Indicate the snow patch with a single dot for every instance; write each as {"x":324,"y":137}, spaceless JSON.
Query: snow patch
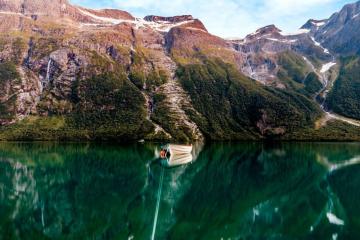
{"x":356,"y":15}
{"x":196,"y":29}
{"x":164,"y":26}
{"x":138,"y":22}
{"x":282,"y":40}
{"x":13,"y":13}
{"x":10,"y":13}
{"x":334,"y":219}
{"x":103,"y":19}
{"x":316,"y":43}
{"x":234,"y":39}
{"x":298,"y":32}
{"x":318,"y":24}
{"x":326,"y":67}
{"x":95,"y":24}
{"x":319,"y":45}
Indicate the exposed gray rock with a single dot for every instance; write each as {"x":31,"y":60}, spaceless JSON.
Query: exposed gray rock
{"x":62,"y":69}
{"x":35,"y":7}
{"x":260,"y":49}
{"x":340,"y":34}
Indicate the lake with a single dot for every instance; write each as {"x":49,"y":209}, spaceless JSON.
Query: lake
{"x":229,"y":191}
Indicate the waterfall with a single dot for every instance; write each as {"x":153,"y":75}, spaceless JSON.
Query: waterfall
{"x":48,"y":70}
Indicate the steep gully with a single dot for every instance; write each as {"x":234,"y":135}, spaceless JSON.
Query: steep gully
{"x":176,"y":99}
{"x":328,"y":83}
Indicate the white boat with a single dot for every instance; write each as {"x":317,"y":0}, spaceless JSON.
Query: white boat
{"x":175,"y":149}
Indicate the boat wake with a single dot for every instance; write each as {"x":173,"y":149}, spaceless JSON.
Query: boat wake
{"x":158,"y":204}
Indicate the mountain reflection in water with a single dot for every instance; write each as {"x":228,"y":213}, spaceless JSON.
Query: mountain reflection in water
{"x":231,"y":191}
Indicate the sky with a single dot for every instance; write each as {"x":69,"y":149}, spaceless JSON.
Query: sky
{"x":230,"y":18}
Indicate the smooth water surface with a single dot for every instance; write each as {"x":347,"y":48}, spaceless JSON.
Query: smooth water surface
{"x":231,"y":191}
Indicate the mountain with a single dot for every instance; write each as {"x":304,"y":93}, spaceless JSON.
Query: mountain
{"x":313,"y":25}
{"x":340,"y":31}
{"x":269,"y":44}
{"x":72,"y":73}
{"x":340,"y":35}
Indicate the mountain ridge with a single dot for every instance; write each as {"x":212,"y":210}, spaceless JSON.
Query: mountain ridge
{"x":104,"y":74}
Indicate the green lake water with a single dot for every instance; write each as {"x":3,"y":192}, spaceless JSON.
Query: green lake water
{"x":230,"y":191}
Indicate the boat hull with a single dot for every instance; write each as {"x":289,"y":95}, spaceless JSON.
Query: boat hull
{"x":180,"y":149}
{"x":179,"y":159}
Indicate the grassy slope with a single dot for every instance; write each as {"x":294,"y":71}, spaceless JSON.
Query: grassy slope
{"x":108,"y":106}
{"x":293,"y":67}
{"x":333,"y":131}
{"x":345,"y":97}
{"x":232,"y":104}
{"x":102,"y":106}
{"x":296,"y":74}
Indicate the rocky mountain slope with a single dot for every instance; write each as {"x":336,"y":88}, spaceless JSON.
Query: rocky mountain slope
{"x":68,"y":72}
{"x":340,"y":32}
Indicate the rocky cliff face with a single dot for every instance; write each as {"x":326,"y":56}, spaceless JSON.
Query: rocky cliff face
{"x":104,"y":73}
{"x":260,"y":52}
{"x":313,"y":25}
{"x":34,"y":6}
{"x":53,"y":52}
{"x":340,"y":31}
{"x":59,"y":9}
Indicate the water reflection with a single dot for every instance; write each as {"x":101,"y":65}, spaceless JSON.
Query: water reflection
{"x":231,"y":191}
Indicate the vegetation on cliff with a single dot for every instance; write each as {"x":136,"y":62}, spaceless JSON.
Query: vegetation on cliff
{"x":345,"y":98}
{"x":235,"y":107}
{"x":9,"y":77}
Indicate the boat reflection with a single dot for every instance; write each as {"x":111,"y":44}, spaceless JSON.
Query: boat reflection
{"x":174,"y":155}
{"x":177,"y":160}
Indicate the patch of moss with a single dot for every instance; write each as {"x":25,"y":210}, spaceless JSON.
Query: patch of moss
{"x":8,"y":71}
{"x":42,"y":47}
{"x":138,"y":78}
{"x":156,"y":78}
{"x":19,"y":46}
